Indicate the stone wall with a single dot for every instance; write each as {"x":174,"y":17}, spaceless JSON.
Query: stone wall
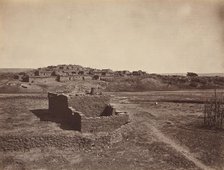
{"x":58,"y":106}
{"x":74,"y":78}
{"x":62,"y":78}
{"x":23,"y":143}
{"x":87,"y":113}
{"x":57,"y":103}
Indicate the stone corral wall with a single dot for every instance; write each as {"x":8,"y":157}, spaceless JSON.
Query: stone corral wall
{"x":87,"y":113}
{"x":23,"y":143}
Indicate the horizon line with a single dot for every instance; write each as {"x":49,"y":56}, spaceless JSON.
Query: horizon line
{"x":153,"y":72}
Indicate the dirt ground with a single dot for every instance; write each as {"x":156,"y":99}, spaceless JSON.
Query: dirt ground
{"x":165,"y":132}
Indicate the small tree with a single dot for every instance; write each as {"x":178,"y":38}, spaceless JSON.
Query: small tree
{"x":191,"y":74}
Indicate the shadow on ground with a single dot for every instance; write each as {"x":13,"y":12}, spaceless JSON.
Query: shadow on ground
{"x":66,"y":122}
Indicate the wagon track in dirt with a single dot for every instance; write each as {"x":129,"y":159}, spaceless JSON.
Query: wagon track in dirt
{"x":177,"y":147}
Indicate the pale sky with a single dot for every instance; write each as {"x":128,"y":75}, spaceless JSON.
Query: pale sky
{"x":160,"y":36}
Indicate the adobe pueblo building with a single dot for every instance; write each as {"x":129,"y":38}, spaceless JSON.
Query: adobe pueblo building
{"x":88,"y":113}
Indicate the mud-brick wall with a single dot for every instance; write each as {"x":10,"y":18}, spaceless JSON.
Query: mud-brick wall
{"x":74,"y":77}
{"x":58,"y":106}
{"x":57,"y":103}
{"x":35,"y":78}
{"x":69,"y":78}
{"x":103,"y":123}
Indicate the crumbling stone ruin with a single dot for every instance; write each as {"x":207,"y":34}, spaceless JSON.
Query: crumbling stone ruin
{"x":86,"y":113}
{"x":58,"y":106}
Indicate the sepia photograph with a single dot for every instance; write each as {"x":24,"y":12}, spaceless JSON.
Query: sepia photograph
{"x":111,"y":84}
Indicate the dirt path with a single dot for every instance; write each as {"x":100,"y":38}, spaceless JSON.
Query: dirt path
{"x":177,"y":147}
{"x":137,"y":114}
